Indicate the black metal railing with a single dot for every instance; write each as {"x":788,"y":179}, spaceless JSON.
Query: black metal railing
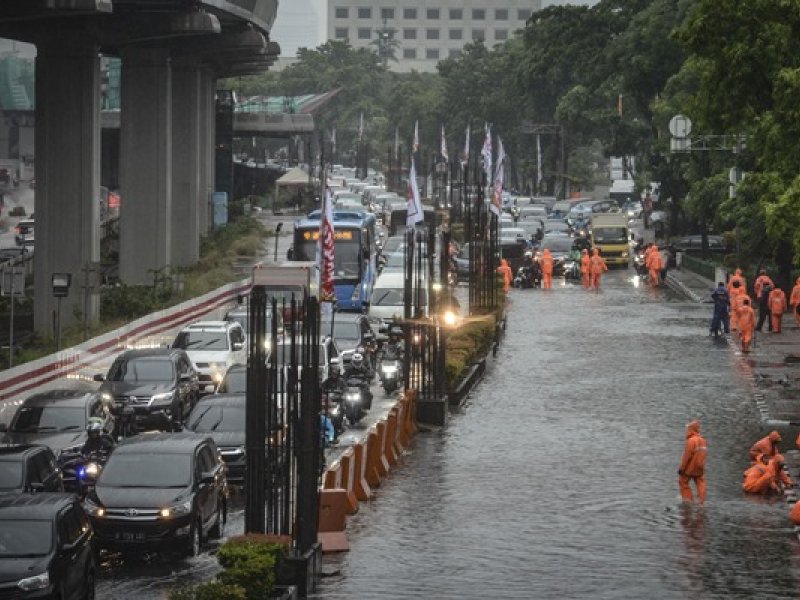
{"x":481,"y":232}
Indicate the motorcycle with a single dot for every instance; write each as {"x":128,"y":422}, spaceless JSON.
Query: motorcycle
{"x":390,"y":374}
{"x":333,"y":401}
{"x":356,"y":400}
{"x":527,"y":278}
{"x":80,"y":471}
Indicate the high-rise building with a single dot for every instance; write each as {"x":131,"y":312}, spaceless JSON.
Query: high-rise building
{"x":299,"y":24}
{"x":417,"y":34}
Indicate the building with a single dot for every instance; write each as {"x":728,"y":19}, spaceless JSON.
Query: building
{"x":299,"y":24}
{"x":426,"y":31}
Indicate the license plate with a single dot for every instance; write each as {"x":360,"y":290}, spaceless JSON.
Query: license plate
{"x":128,"y":536}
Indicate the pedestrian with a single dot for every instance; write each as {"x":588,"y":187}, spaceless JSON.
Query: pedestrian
{"x":547,"y":269}
{"x":654,"y":264}
{"x":585,"y":269}
{"x":760,"y":281}
{"x":766,"y":446}
{"x":693,"y":463}
{"x":777,"y":306}
{"x":722,"y":306}
{"x":747,"y":322}
{"x":505,"y":270}
{"x":773,"y":479}
{"x":794,"y":302}
{"x":736,"y":291}
{"x":763,"y":307}
{"x":755,"y":472}
{"x":736,"y":280}
{"x":596,"y":267}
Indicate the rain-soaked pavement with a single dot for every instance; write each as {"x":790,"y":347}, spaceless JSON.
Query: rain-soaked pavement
{"x":558,"y":479}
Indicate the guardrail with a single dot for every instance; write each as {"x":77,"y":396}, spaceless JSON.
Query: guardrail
{"x":701,"y":267}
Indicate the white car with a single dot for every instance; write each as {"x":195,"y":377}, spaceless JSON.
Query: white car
{"x":212,"y":346}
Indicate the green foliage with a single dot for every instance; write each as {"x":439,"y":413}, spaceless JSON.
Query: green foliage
{"x":466,"y":345}
{"x":213,"y":590}
{"x":250,"y":562}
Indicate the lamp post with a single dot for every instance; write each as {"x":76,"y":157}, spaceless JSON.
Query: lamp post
{"x":277,"y":233}
{"x":60,"y":284}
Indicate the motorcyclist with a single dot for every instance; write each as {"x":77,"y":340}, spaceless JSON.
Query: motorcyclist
{"x":395,"y":344}
{"x":358,"y":370}
{"x":97,"y":440}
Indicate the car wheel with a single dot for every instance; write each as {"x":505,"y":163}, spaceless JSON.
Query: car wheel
{"x":90,"y":594}
{"x":218,"y":527}
{"x":196,"y":541}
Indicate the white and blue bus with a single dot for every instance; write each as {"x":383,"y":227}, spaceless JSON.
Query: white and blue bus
{"x":355,"y":254}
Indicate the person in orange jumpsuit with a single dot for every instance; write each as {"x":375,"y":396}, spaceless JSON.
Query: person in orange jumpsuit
{"x":766,"y":446}
{"x":794,"y":301}
{"x":585,"y":268}
{"x":505,"y":270}
{"x":736,"y":291}
{"x":760,"y":282}
{"x":693,"y":463}
{"x":547,"y":269}
{"x":737,"y":276}
{"x":596,"y":267}
{"x":777,"y":306}
{"x":794,"y":514}
{"x":755,"y":471}
{"x":654,"y":264}
{"x":761,"y":479}
{"x":747,"y":323}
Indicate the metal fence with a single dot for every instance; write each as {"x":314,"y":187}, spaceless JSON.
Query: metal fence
{"x":701,"y":267}
{"x":481,"y":232}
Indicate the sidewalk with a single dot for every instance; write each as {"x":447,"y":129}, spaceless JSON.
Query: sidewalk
{"x":773,"y":362}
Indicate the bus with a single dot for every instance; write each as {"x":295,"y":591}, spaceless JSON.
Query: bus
{"x":355,"y":254}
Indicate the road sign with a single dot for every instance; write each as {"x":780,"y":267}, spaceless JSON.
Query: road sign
{"x":13,"y":283}
{"x":680,"y":126}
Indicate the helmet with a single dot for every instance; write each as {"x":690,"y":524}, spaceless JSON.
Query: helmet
{"x":528,"y":254}
{"x":94,"y":427}
{"x":357,"y":360}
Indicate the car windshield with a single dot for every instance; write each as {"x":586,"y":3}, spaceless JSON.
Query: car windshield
{"x":558,"y":244}
{"x":25,"y":538}
{"x":284,"y":354}
{"x":137,"y":370}
{"x":342,"y":330}
{"x":217,"y":417}
{"x":235,"y":382}
{"x":242,"y":319}
{"x":147,"y":470}
{"x":49,"y":418}
{"x":201,"y":340}
{"x":387,"y":297}
{"x":10,"y":475}
{"x":610,"y":235}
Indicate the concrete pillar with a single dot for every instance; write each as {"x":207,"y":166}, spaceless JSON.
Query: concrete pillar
{"x":186,"y":113}
{"x":67,"y":147}
{"x":145,"y":225}
{"x":208,"y":117}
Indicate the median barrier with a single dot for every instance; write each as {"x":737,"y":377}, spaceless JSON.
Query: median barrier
{"x":403,"y":437}
{"x":347,"y":478}
{"x":381,"y":428}
{"x":377,"y":468}
{"x":333,"y":520}
{"x":360,"y":486}
{"x":332,"y":478}
{"x":389,"y":450}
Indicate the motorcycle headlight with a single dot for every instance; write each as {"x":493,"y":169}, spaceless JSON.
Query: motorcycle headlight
{"x":352,"y":396}
{"x":177,"y":510}
{"x":334,"y":410}
{"x":30,"y":584}
{"x":106,"y":397}
{"x":161,"y":398}
{"x":92,"y":469}
{"x":389,"y":369}
{"x":624,"y":255}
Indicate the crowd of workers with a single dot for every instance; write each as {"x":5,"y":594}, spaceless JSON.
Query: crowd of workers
{"x":592,"y":268}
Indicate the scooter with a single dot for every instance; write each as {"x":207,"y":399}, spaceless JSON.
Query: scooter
{"x":390,"y":374}
{"x":335,"y":411}
{"x":353,"y":403}
{"x":80,"y":472}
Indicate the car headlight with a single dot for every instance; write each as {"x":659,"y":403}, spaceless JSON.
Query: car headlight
{"x":177,"y":510}
{"x":30,"y":584}
{"x":334,"y":410}
{"x":92,"y":469}
{"x":161,"y":398}
{"x":93,"y":509}
{"x":106,"y":397}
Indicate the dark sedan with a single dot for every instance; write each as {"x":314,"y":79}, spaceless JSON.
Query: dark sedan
{"x":560,"y":246}
{"x":222,"y":417}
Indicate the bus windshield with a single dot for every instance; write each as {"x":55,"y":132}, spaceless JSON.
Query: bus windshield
{"x":346,"y":256}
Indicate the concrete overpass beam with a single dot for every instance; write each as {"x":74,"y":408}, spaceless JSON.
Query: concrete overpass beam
{"x":208,"y":127}
{"x":145,"y":165}
{"x":67,"y":147}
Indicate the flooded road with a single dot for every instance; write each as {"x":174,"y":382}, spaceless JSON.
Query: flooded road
{"x":558,"y":479}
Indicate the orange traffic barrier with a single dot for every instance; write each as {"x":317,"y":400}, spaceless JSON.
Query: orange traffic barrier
{"x":381,"y":428}
{"x":377,"y":468}
{"x":360,"y":486}
{"x":348,"y":480}
{"x":333,"y":520}
{"x":402,"y":440}
{"x":332,"y":478}
{"x":389,"y":436}
{"x":411,"y":418}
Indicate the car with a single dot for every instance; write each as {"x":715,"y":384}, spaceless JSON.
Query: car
{"x":45,"y":548}
{"x":28,"y":468}
{"x":556,"y":226}
{"x":532,"y":211}
{"x":560,"y":246}
{"x":633,"y":208}
{"x":328,"y":352}
{"x":388,"y":295}
{"x":240,"y":315}
{"x":461,"y":259}
{"x":154,"y":382}
{"x":212,"y":346}
{"x":716,"y":243}
{"x":58,"y":418}
{"x":350,"y":330}
{"x":24,"y":232}
{"x":512,"y":234}
{"x":160,"y":492}
{"x":582,"y":210}
{"x":234,"y":381}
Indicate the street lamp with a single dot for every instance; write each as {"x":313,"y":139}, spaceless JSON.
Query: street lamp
{"x":60,"y":283}
{"x":277,"y":232}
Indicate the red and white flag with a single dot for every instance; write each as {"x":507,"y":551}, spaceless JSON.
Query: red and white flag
{"x":497,"y":198}
{"x":486,"y":153}
{"x":414,"y":213}
{"x":415,"y":142}
{"x":325,"y":246}
{"x":444,"y":147}
{"x":466,"y":148}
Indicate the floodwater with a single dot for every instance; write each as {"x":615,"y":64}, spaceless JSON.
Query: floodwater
{"x":558,"y":479}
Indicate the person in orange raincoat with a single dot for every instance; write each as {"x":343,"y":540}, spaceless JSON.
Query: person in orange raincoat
{"x":760,"y":282}
{"x":777,"y":306}
{"x":794,"y":301}
{"x":596,"y":267}
{"x":736,"y":291}
{"x":755,"y":471}
{"x":585,"y":268}
{"x":766,"y":446}
{"x":547,"y":269}
{"x":737,"y":276}
{"x":505,"y":270}
{"x":773,"y":478}
{"x":794,"y":514}
{"x":693,"y":464}
{"x":654,"y":264}
{"x":747,"y":323}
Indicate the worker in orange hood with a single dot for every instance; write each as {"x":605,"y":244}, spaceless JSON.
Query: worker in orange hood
{"x":767,"y":446}
{"x":747,"y":323}
{"x":505,"y":270}
{"x":777,"y":306}
{"x":794,"y":301}
{"x":736,"y":291}
{"x":585,"y":268}
{"x":774,"y":477}
{"x":654,"y":264}
{"x":737,"y":277}
{"x":762,"y":280}
{"x":755,"y":471}
{"x":547,"y":269}
{"x":693,"y":463}
{"x":596,"y":267}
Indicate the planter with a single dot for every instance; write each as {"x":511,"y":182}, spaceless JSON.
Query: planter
{"x":472,"y":376}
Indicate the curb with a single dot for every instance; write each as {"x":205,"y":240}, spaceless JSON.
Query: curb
{"x":680,"y":287}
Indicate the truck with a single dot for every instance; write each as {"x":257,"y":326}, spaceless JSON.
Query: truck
{"x":611,"y":235}
{"x":622,"y":191}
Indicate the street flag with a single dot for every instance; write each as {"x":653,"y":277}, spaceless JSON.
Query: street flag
{"x":486,"y":153}
{"x":414,"y":212}
{"x":361,"y":127}
{"x":539,"y":176}
{"x":444,"y":147}
{"x":396,"y":140}
{"x":619,"y":105}
{"x":333,"y":139}
{"x":497,"y":198}
{"x":415,"y":143}
{"x":325,"y":246}
{"x":466,"y":148}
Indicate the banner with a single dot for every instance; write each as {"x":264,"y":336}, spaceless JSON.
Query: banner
{"x":497,"y":198}
{"x":539,"y":177}
{"x":486,"y":153}
{"x":414,"y":213}
{"x":415,"y":142}
{"x":444,"y":147}
{"x":325,"y":254}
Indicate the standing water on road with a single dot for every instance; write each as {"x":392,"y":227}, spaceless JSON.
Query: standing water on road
{"x":559,"y":477}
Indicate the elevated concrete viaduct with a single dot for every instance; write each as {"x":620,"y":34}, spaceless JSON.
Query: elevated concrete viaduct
{"x":172,"y":53}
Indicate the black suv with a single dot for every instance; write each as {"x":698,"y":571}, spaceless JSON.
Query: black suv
{"x":234,"y":381}
{"x":58,"y":419}
{"x":45,"y":548}
{"x":26,"y":468}
{"x":159,"y":384}
{"x":160,"y":492}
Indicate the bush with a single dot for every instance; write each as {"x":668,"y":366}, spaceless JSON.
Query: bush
{"x":467,"y":345}
{"x":213,"y":590}
{"x":250,"y":562}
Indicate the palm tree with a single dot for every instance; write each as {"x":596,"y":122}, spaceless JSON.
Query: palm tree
{"x":386,"y":43}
